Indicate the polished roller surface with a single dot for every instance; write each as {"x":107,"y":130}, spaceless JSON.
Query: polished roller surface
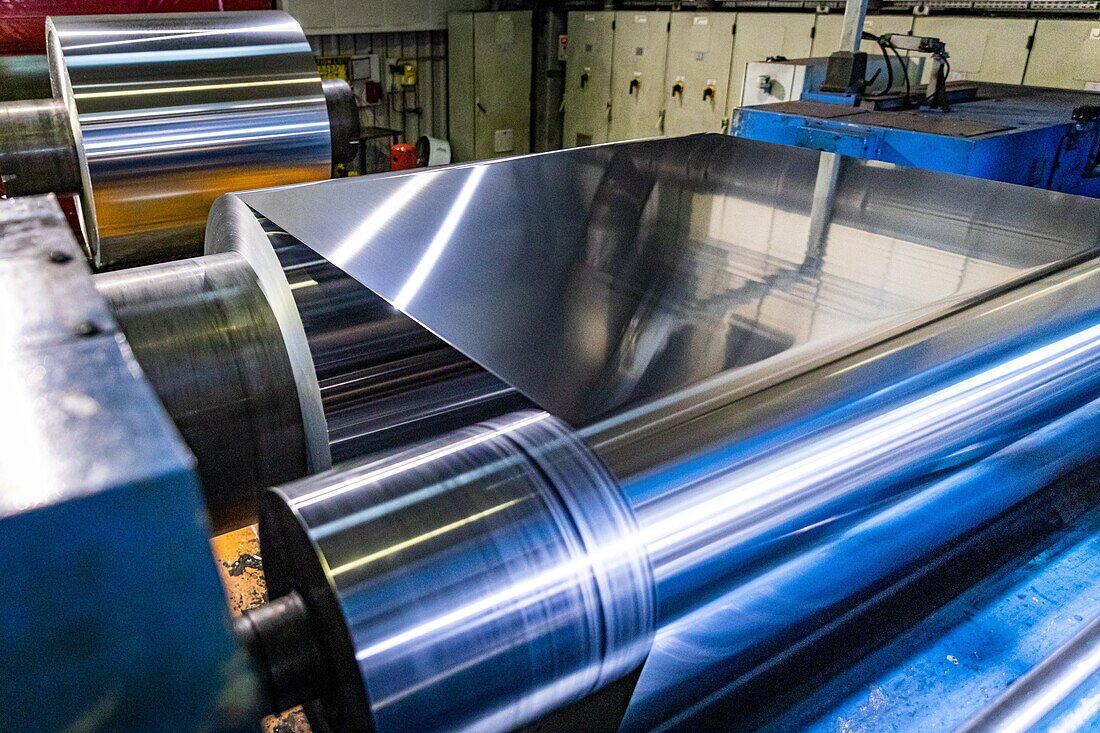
{"x":172,"y":110}
{"x":824,"y":491}
{"x":37,"y":150}
{"x":206,"y":338}
{"x":475,"y":582}
{"x":374,"y":377}
{"x":794,"y":505}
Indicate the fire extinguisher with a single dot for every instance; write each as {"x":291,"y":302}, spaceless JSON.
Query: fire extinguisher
{"x":402,"y":156}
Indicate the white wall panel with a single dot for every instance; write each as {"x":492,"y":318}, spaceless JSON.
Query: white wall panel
{"x":1066,"y":54}
{"x":352,"y":16}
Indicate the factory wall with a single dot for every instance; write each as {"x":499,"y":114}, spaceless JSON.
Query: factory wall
{"x":375,"y":16}
{"x":416,"y":110}
{"x":632,"y":74}
{"x":586,"y":106}
{"x":21,"y":21}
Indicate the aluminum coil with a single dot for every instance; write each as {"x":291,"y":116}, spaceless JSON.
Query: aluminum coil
{"x":169,"y":111}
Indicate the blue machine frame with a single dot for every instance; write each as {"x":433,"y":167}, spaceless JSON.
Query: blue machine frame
{"x":1015,"y":134}
{"x":112,"y":615}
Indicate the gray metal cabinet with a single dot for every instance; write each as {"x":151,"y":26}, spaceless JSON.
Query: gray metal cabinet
{"x":761,"y":35}
{"x":1066,"y":54}
{"x":489,"y":84}
{"x":700,"y":47}
{"x":587,"y":98}
{"x":638,"y":74}
{"x":981,"y":49}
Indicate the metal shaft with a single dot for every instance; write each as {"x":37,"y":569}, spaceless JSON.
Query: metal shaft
{"x":343,"y":119}
{"x":37,"y":150}
{"x":24,"y":77}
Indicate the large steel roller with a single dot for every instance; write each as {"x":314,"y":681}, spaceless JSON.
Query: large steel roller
{"x":154,"y":116}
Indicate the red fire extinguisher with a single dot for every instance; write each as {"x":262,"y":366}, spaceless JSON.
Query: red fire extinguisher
{"x":402,"y":156}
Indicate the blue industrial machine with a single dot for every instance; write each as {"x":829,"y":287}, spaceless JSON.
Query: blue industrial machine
{"x":1044,"y":138}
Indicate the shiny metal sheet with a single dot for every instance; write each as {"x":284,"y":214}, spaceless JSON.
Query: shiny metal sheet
{"x":172,"y":110}
{"x":768,"y":399}
{"x":598,"y":279}
{"x":368,"y":377}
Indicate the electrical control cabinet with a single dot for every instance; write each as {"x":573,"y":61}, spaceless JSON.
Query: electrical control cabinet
{"x":638,"y":74}
{"x":829,"y":26}
{"x":1065,"y":54}
{"x":763,"y":35}
{"x":367,"y":16}
{"x":700,"y":46}
{"x":981,"y":49}
{"x":489,"y":84}
{"x":587,"y":98}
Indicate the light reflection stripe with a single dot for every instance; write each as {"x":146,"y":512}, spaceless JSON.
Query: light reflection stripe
{"x":421,"y":538}
{"x":192,"y":88}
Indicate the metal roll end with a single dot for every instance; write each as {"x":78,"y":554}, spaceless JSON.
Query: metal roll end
{"x":37,"y":150}
{"x":234,"y":228}
{"x":501,"y":558}
{"x":343,"y":120}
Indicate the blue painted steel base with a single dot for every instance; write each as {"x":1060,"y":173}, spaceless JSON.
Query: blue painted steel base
{"x":1014,"y":134}
{"x":112,"y":614}
{"x":942,"y":671}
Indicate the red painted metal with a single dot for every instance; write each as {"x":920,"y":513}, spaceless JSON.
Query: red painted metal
{"x":22,"y":22}
{"x":402,"y":156}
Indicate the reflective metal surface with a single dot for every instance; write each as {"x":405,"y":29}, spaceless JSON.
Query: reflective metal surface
{"x":210,"y":346}
{"x":172,"y":110}
{"x":770,"y":517}
{"x":472,"y":583}
{"x":773,"y":384}
{"x":369,"y":378}
{"x":598,"y":279}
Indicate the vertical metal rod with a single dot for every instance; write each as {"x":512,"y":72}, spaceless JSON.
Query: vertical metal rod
{"x":851,"y":35}
{"x":828,"y":173}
